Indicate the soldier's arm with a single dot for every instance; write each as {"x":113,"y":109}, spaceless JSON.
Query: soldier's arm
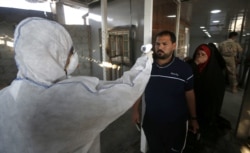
{"x":239,"y":48}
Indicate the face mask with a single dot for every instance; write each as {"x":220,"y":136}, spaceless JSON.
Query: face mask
{"x":73,"y":63}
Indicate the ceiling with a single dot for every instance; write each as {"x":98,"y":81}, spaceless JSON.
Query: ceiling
{"x":231,"y":11}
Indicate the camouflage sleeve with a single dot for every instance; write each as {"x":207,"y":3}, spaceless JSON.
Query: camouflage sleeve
{"x":239,"y":48}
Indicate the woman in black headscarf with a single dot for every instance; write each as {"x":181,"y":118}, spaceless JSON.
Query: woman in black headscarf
{"x":209,"y":84}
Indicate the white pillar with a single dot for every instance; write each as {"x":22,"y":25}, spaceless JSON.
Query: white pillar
{"x":148,"y":21}
{"x":60,"y":16}
{"x":178,"y":16}
{"x":104,"y":34}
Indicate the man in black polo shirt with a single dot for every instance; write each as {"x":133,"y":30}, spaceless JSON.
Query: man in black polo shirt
{"x":169,"y":99}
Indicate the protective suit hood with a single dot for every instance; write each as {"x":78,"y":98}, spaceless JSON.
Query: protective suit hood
{"x":43,"y":64}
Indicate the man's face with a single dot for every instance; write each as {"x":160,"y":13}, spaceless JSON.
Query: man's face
{"x":164,"y":47}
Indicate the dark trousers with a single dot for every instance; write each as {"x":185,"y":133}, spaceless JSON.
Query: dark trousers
{"x":165,"y":138}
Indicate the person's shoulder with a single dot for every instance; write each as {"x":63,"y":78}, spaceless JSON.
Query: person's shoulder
{"x":177,"y":59}
{"x":225,"y":41}
{"x":183,"y":68}
{"x":182,"y":63}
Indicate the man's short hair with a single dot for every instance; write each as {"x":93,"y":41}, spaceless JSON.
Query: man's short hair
{"x":167,"y":33}
{"x":232,"y":34}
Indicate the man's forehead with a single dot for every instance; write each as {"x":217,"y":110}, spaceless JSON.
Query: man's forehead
{"x":163,"y":38}
{"x":163,"y":41}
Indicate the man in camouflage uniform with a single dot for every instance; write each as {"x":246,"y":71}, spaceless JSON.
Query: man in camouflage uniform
{"x":229,"y":49}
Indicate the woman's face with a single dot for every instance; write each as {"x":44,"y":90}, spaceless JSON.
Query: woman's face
{"x":201,"y":56}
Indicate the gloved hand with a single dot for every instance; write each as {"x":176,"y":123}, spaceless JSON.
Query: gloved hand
{"x":150,"y":56}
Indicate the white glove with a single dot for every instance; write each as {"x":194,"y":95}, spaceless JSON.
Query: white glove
{"x":150,"y":56}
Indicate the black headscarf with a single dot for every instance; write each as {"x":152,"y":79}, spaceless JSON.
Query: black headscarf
{"x":209,"y":87}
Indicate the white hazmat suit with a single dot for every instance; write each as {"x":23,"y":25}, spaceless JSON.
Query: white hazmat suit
{"x":42,"y":111}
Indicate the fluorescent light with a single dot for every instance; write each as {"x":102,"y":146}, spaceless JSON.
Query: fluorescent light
{"x":215,"y":11}
{"x":216,"y":21}
{"x":171,"y":16}
{"x":207,"y":33}
{"x":202,"y":27}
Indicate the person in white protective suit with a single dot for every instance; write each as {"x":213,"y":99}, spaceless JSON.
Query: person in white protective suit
{"x":44,"y":110}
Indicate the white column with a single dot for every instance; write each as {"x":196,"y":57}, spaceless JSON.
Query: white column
{"x":178,"y":16}
{"x":148,"y":21}
{"x":104,"y":34}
